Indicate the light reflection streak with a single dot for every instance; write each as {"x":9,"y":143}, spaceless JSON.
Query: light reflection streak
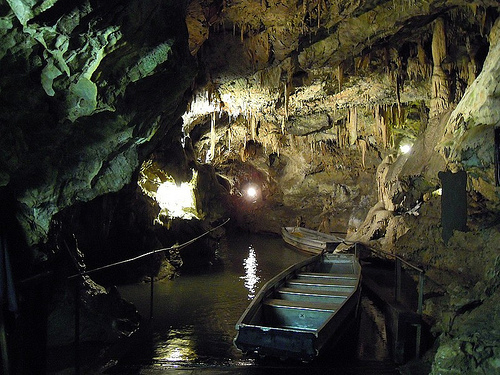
{"x":177,"y":347}
{"x":251,"y":278}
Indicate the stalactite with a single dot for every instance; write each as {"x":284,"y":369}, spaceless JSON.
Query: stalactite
{"x":339,"y":137}
{"x":381,"y":122}
{"x":304,"y":13}
{"x":363,"y":147}
{"x":340,"y":75}
{"x":398,"y":94}
{"x":286,"y":100}
{"x":483,"y":20}
{"x":352,"y":124}
{"x":422,"y":58}
{"x":319,"y":13}
{"x":439,"y":82}
{"x":212,"y":136}
{"x":472,"y":65}
{"x":439,"y":42}
{"x":418,"y":67}
{"x":267,"y":46}
{"x":253,"y":126}
{"x":345,"y":135}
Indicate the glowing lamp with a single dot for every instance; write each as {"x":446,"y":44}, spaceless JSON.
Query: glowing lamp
{"x":405,"y":148}
{"x":251,"y":192}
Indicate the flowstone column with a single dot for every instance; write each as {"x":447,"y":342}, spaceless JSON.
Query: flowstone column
{"x":440,"y":85}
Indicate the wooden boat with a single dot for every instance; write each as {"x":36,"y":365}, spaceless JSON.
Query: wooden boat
{"x":303,"y":310}
{"x":309,"y":240}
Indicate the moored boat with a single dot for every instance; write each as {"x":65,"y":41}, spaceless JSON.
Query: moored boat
{"x":310,"y":240}
{"x":303,"y":310}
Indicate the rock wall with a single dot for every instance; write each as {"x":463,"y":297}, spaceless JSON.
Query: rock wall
{"x":461,"y":275}
{"x":101,"y":84}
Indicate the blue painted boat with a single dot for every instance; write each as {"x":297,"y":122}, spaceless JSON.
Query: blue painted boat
{"x":303,"y":310}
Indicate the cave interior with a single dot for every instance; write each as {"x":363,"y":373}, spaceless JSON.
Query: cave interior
{"x":130,"y":126}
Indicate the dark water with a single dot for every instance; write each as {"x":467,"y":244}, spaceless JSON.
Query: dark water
{"x":194,"y":319}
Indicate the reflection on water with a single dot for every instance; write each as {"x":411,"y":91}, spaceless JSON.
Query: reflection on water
{"x":176,"y":347}
{"x":374,"y":344}
{"x":251,"y":267}
{"x":195,"y":314}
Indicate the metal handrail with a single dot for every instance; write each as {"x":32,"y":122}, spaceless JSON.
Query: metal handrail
{"x":81,"y":273}
{"x":174,"y":247}
{"x":397,"y":293}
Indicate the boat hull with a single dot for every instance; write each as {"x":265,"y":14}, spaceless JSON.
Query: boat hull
{"x":309,"y":240}
{"x":303,"y":310}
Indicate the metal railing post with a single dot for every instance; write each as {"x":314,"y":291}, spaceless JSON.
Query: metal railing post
{"x":151,"y":297}
{"x":398,"y":265}
{"x":418,"y":339}
{"x":397,"y":294}
{"x":77,"y":327}
{"x":3,"y":345}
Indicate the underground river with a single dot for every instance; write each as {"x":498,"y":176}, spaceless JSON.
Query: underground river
{"x":194,"y":318}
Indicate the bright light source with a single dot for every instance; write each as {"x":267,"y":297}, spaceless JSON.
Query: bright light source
{"x":177,"y":200}
{"x":252,"y":192}
{"x":405,"y":148}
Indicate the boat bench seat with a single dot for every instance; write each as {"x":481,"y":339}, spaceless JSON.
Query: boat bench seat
{"x":321,"y":275}
{"x":324,"y":281}
{"x":297,"y":314}
{"x":317,"y":296}
{"x":330,"y":307}
{"x":315,"y":292}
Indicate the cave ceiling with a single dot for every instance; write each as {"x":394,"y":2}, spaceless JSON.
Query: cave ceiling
{"x":90,"y":88}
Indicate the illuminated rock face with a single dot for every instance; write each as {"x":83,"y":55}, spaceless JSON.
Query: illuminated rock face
{"x":342,"y":83}
{"x":316,"y":97}
{"x":97,"y":94}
